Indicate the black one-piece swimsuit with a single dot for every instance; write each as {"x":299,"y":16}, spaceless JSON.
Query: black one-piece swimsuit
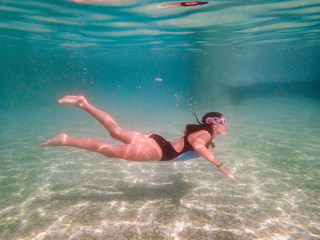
{"x":168,"y":152}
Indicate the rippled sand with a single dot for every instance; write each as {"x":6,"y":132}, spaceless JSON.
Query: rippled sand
{"x":65,"y":193}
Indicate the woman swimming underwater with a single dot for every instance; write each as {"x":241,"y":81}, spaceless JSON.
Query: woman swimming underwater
{"x":140,"y":147}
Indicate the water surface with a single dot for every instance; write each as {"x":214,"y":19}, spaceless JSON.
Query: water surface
{"x":151,"y":66}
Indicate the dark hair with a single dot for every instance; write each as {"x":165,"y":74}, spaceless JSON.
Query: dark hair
{"x":191,"y":128}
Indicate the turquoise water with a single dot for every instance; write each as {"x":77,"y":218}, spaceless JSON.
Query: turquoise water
{"x":255,"y":61}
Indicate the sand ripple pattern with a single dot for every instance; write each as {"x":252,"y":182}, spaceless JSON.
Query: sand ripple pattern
{"x":64,"y":193}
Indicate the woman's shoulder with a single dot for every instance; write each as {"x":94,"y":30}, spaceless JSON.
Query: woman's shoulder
{"x":202,"y":134}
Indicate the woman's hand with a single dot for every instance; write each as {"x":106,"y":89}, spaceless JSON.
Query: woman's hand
{"x":227,"y":173}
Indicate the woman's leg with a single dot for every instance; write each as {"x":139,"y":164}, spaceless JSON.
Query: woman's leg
{"x":105,"y":119}
{"x":143,"y":151}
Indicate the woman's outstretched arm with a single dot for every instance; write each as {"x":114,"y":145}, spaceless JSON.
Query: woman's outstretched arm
{"x":207,"y":154}
{"x":199,"y":145}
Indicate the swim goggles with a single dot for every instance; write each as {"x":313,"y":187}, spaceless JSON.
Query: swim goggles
{"x":212,"y":120}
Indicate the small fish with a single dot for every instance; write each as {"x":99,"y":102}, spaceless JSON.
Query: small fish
{"x":158,"y":79}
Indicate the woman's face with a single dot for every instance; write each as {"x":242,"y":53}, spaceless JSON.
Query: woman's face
{"x":221,"y":128}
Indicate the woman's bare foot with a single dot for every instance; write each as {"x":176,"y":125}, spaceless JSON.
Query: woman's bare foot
{"x":73,"y":100}
{"x":56,"y":141}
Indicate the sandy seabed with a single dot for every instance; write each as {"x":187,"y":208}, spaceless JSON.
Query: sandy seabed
{"x":67,"y":193}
